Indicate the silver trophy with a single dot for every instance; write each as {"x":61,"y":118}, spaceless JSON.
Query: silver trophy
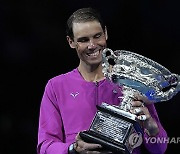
{"x":114,"y":126}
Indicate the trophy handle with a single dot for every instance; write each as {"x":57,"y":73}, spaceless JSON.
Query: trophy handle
{"x":174,"y":81}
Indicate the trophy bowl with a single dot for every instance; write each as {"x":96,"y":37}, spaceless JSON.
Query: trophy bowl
{"x":114,"y":127}
{"x":140,"y":74}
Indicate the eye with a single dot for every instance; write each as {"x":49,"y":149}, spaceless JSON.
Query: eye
{"x":98,"y":35}
{"x":84,"y":39}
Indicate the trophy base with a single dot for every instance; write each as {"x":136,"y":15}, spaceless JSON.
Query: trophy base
{"x":92,"y":137}
{"x":114,"y":129}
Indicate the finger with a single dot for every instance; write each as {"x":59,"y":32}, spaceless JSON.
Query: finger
{"x":91,"y":152}
{"x":137,"y":111}
{"x":145,"y":115}
{"x":137,"y":103}
{"x":142,"y":117}
{"x":142,"y":98}
{"x":78,"y":137}
{"x":88,"y":146}
{"x":96,"y":152}
{"x":80,"y":145}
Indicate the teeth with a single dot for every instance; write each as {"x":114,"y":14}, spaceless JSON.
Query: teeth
{"x":94,"y":54}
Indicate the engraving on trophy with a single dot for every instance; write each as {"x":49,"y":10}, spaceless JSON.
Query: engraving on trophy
{"x":111,"y":127}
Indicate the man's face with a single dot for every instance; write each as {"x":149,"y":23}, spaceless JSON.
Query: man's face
{"x":89,"y":41}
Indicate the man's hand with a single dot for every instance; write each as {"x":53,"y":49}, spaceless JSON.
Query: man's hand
{"x":84,"y":148}
{"x":138,"y":108}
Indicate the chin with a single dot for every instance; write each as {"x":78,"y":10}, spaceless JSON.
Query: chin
{"x":95,"y":62}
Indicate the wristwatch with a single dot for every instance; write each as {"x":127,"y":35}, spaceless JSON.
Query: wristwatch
{"x":71,"y":149}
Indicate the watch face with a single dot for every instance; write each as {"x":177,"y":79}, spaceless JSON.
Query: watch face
{"x":71,"y":147}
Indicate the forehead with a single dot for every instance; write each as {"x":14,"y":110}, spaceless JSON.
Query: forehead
{"x":86,"y":29}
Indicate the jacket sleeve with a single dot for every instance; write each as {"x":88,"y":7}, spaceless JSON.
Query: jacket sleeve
{"x":50,"y":133}
{"x":156,"y":144}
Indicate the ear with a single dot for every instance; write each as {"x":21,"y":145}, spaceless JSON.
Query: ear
{"x":71,"y":42}
{"x":106,"y":34}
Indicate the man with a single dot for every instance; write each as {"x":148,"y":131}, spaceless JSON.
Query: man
{"x":69,"y":101}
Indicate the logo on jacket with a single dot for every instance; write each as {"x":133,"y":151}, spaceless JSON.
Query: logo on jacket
{"x":74,"y":94}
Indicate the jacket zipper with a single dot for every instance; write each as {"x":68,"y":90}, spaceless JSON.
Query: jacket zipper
{"x":96,"y":92}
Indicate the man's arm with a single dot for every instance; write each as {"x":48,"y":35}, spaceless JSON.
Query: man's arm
{"x":51,"y":131}
{"x":157,"y":143}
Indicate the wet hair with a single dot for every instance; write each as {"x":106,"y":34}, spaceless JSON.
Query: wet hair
{"x":83,"y":15}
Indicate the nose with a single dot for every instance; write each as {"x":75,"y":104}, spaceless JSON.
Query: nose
{"x":91,"y":44}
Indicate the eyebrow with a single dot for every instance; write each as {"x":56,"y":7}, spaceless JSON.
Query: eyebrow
{"x":82,"y":38}
{"x":86,"y":38}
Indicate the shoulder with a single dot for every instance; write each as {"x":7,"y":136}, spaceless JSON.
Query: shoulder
{"x":63,"y":78}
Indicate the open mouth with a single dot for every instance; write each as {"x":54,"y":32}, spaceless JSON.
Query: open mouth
{"x":94,"y":54}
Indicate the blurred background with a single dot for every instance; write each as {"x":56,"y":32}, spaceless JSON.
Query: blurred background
{"x":34,"y":49}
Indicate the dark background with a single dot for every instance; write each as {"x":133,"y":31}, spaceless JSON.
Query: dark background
{"x":34,"y":49}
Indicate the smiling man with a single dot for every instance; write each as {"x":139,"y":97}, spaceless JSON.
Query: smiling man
{"x":88,"y":37}
{"x":69,"y":102}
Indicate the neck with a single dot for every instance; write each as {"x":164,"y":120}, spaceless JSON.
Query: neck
{"x":92,"y":74}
